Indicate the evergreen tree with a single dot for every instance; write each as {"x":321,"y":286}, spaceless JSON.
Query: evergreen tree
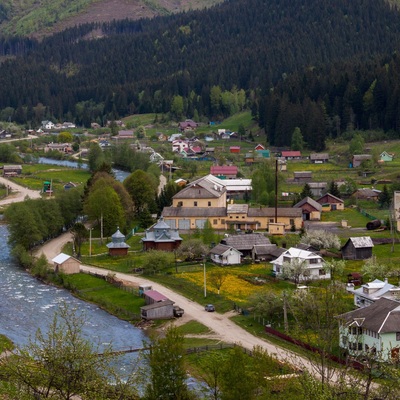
{"x":306,"y":192}
{"x":384,"y":198}
{"x":333,"y":189}
{"x":297,"y":139}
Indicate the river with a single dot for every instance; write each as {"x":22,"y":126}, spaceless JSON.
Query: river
{"x":119,"y":174}
{"x":26,"y":305}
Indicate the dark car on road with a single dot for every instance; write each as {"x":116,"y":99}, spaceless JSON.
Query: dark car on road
{"x":209,"y":308}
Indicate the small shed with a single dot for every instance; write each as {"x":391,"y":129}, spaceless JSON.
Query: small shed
{"x":385,"y":156}
{"x":66,"y":264}
{"x":329,"y":202}
{"x":276,"y":228}
{"x":359,"y":158}
{"x":302,"y":176}
{"x":117,"y":246}
{"x":357,"y":248}
{"x":12,"y":170}
{"x":234,"y":149}
{"x":152,"y":296}
{"x":160,"y":310}
{"x":319,"y":158}
{"x":225,"y":255}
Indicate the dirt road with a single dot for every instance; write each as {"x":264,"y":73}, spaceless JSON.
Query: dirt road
{"x":18,"y":192}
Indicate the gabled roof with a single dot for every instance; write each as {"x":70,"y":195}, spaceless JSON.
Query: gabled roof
{"x":268,"y":249}
{"x":237,"y":208}
{"x":302,"y":174}
{"x":331,"y":196}
{"x":224,"y":169}
{"x":295,"y":252}
{"x":361,"y":157}
{"x":360,"y":242}
{"x":61,"y":258}
{"x":221,"y":249}
{"x":383,"y":316}
{"x":154,"y":295}
{"x":202,"y":188}
{"x":245,"y":241}
{"x":310,"y":201}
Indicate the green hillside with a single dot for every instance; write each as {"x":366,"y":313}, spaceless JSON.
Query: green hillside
{"x":38,"y":18}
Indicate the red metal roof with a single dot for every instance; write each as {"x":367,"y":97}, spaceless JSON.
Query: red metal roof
{"x":154,"y":295}
{"x":291,"y":153}
{"x":224,"y":169}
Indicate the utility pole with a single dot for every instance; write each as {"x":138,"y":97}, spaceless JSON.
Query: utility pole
{"x":276,"y":190}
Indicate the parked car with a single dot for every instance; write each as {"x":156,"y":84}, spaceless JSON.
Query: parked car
{"x":209,"y":308}
{"x":178,"y":312}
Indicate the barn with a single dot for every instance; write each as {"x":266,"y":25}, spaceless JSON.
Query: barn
{"x":357,"y":248}
{"x":66,"y":264}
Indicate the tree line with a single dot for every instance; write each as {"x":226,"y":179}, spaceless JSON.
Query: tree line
{"x":199,"y":63}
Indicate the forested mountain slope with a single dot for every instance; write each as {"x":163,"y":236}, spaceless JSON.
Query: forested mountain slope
{"x":140,"y":66}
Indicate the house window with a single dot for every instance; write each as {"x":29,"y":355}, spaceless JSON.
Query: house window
{"x":271,"y":220}
{"x":359,"y":346}
{"x":243,"y":217}
{"x":314,"y":261}
{"x":291,"y":221}
{"x":180,"y":203}
{"x":222,"y":221}
{"x":215,"y":221}
{"x":321,"y":272}
{"x":209,"y":204}
{"x":195,"y":204}
{"x":237,"y":216}
{"x":278,"y":270}
{"x":397,"y":336}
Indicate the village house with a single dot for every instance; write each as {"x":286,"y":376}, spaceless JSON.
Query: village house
{"x":249,"y":158}
{"x":370,"y":292}
{"x":245,"y":242}
{"x":317,"y":188}
{"x":178,"y":146}
{"x":302,"y":176}
{"x":225,"y":255}
{"x":124,"y":135}
{"x":47,"y":125}
{"x":117,"y":246}
{"x":319,"y":158}
{"x":12,"y":170}
{"x":357,"y":248}
{"x":314,"y":264}
{"x":161,"y":237}
{"x":224,"y":171}
{"x":265,"y":252}
{"x":358,"y":159}
{"x":187,"y":125}
{"x":66,"y":264}
{"x":386,"y":157}
{"x":373,"y":329}
{"x":206,"y":199}
{"x":234,"y":149}
{"x":366,"y":194}
{"x":262,"y":154}
{"x":311,"y":210}
{"x":291,"y":155}
{"x":259,"y":147}
{"x":329,"y":202}
{"x":64,"y":148}
{"x":157,"y":306}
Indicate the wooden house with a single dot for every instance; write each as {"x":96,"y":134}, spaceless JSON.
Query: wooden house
{"x":311,"y":210}
{"x":302,"y":176}
{"x":249,"y":158}
{"x":125,"y":134}
{"x":357,"y":248}
{"x":234,"y":149}
{"x":366,"y":194}
{"x":329,"y":202}
{"x":359,"y":158}
{"x":244,"y":243}
{"x":259,"y":147}
{"x":66,"y":264}
{"x":319,"y":158}
{"x":12,"y":170}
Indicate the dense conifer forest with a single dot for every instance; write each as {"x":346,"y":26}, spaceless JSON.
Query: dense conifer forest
{"x":322,"y":65}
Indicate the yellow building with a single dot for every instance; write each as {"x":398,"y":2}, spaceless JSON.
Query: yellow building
{"x":206,"y":200}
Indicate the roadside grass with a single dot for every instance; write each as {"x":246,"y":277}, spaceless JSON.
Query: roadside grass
{"x":96,"y":290}
{"x":5,"y":344}
{"x":193,"y":328}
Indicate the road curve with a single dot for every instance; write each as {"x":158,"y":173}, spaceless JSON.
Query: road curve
{"x":18,"y":192}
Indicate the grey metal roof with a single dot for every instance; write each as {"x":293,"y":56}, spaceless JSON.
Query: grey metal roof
{"x":158,"y":304}
{"x":202,"y":212}
{"x":161,"y":232}
{"x":383,"y":316}
{"x":270,"y":212}
{"x":237,"y":208}
{"x":319,"y":156}
{"x":202,"y":188}
{"x":309,"y":201}
{"x":268,"y":249}
{"x":361,"y":242}
{"x":302,"y":174}
{"x":245,"y":241}
{"x":220,"y":249}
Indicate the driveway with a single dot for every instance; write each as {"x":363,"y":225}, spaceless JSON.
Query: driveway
{"x":18,"y":192}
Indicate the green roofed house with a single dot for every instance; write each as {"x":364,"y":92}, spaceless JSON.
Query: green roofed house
{"x":263,"y":153}
{"x":385,"y":156}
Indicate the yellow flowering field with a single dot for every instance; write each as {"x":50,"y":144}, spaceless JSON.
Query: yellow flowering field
{"x":233,"y":288}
